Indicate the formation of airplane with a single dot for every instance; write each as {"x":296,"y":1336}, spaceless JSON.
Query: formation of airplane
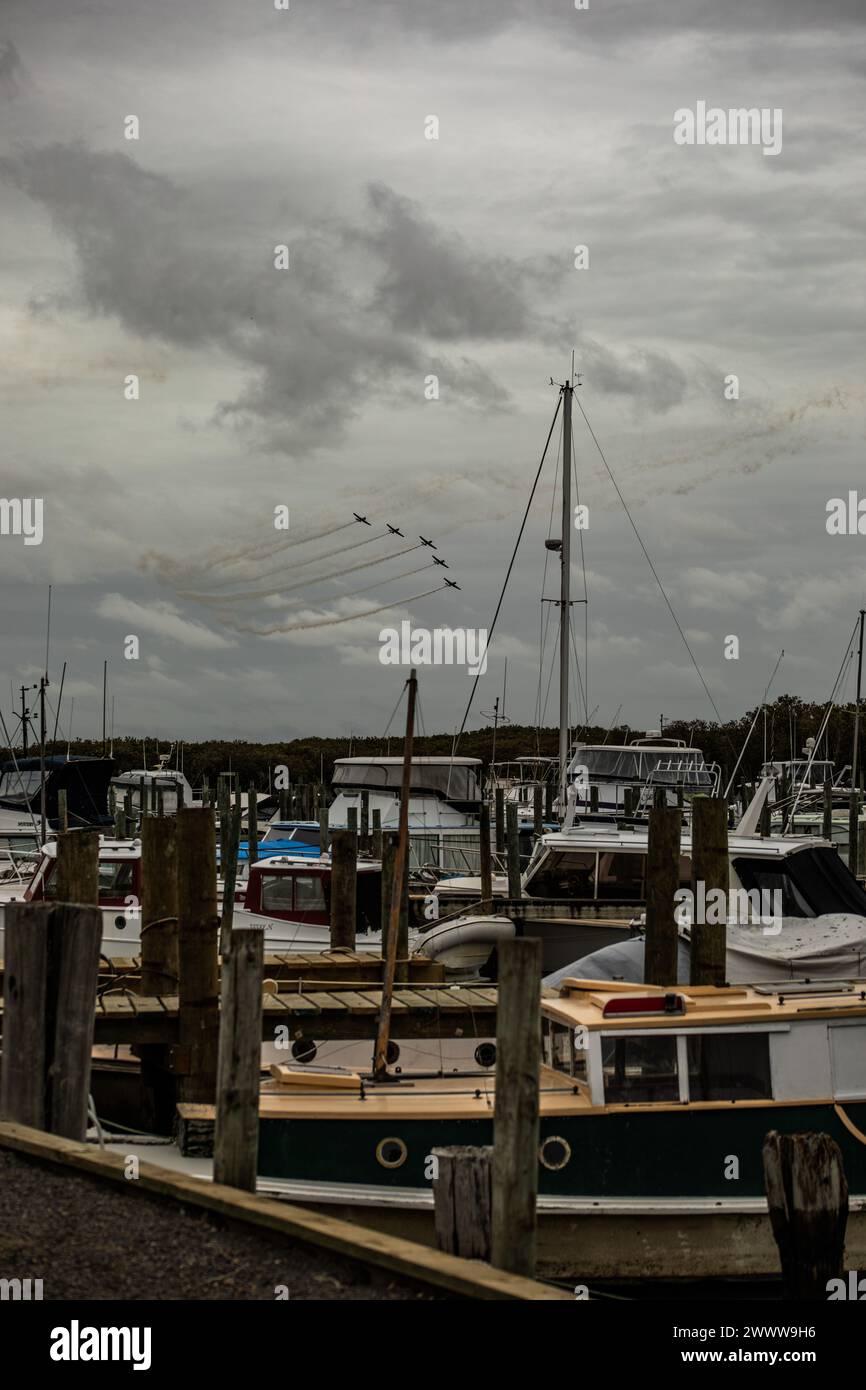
{"x":395,"y":531}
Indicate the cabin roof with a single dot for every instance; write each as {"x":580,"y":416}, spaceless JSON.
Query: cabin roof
{"x":589,"y":835}
{"x":583,"y":1003}
{"x":445,"y":761}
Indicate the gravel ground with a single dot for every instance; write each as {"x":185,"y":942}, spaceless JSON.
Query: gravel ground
{"x":91,"y":1240}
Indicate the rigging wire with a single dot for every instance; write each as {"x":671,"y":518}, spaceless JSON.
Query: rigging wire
{"x":510,"y":565}
{"x":655,"y":573}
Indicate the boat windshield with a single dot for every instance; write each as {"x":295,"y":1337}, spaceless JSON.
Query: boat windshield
{"x":23,"y":783}
{"x":812,"y":882}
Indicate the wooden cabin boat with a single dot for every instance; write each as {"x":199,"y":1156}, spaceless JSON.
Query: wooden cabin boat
{"x":654,"y":1105}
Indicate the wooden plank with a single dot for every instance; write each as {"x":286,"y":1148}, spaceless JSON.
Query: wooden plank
{"x":413,"y":1000}
{"x":294,"y":1003}
{"x":236,"y":1131}
{"x":459,"y":1277}
{"x":22,"y":1078}
{"x":327,"y":1003}
{"x":74,"y":939}
{"x":357,"y":1003}
{"x":375,"y":996}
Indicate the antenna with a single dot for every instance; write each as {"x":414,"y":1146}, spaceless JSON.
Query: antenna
{"x":48,"y":634}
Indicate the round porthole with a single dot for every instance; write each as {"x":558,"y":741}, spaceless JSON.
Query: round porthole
{"x":485,"y":1055}
{"x":304,"y":1050}
{"x":555,"y":1152}
{"x":391,"y":1153}
{"x":120,"y":923}
{"x":393,"y":1053}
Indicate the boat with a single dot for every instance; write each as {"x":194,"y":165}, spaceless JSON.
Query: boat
{"x":654,"y":1105}
{"x":84,"y":780}
{"x":640,"y":767}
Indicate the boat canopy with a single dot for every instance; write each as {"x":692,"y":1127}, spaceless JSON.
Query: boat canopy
{"x":455,"y":780}
{"x":636,"y":764}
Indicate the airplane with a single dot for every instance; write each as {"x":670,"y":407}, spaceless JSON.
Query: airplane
{"x":362,"y":518}
{"x":437,"y":561}
{"x":452,"y":583}
{"x":395,"y":530}
{"x":424,"y":541}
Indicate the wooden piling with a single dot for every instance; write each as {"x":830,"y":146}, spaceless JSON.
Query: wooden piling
{"x":827,"y":821}
{"x":537,"y":809}
{"x":51,"y":973}
{"x":628,"y":801}
{"x":513,"y":842}
{"x":236,"y":1129}
{"x":78,"y":867}
{"x":344,"y":870}
{"x":230,"y":837}
{"x":515,"y":1121}
{"x":486,"y":859}
{"x":376,"y":845}
{"x":462,"y":1195}
{"x":159,"y":930}
{"x":389,"y":854}
{"x":853,"y":822}
{"x":198,"y":986}
{"x":284,"y":804}
{"x":499,"y":805}
{"x":593,"y":797}
{"x":62,"y":812}
{"x":548,"y":801}
{"x":324,"y":833}
{"x":119,"y":821}
{"x":364,"y":845}
{"x":807,"y":1196}
{"x":252,"y":828}
{"x":662,"y":881}
{"x":710,"y":868}
{"x":129,"y":814}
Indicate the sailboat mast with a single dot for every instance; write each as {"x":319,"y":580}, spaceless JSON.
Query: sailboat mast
{"x":565,"y":593}
{"x":855,"y":759}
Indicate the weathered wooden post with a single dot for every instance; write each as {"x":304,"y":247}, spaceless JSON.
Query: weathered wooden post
{"x":377,"y":833}
{"x":230,"y":838}
{"x":827,"y":821}
{"x":548,"y":800}
{"x":662,"y":882}
{"x":765,"y":819}
{"x":159,"y":930}
{"x":198,"y":986}
{"x":515,"y":1120}
{"x":52,"y":970}
{"x":513,"y":841}
{"x":344,"y":869}
{"x":352,"y":819}
{"x":142,"y":798}
{"x":537,"y":809}
{"x":324,"y":834}
{"x":252,"y":828}
{"x":119,"y":820}
{"x":389,"y":854}
{"x":78,"y":866}
{"x":486,"y":859}
{"x":365,"y":823}
{"x":499,"y":804}
{"x":62,"y":812}
{"x":159,"y":961}
{"x":284,"y":803}
{"x":236,"y":1130}
{"x":807,"y":1196}
{"x":853,"y":823}
{"x":462,"y":1195}
{"x":628,"y":802}
{"x":593,"y":797}
{"x":710,"y":874}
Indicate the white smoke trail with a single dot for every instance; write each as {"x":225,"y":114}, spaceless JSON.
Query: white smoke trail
{"x":326,"y":622}
{"x":219,"y":599}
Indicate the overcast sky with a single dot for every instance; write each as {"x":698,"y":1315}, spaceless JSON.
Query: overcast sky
{"x":411,"y":258}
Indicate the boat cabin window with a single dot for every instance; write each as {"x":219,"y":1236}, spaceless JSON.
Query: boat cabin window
{"x":23,"y":783}
{"x":621,"y":876}
{"x":276,"y":893}
{"x":309,"y":893}
{"x":16,"y":845}
{"x":560,"y":1051}
{"x":729,"y":1066}
{"x":639,"y":1068}
{"x":115,"y":879}
{"x":565,"y":875}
